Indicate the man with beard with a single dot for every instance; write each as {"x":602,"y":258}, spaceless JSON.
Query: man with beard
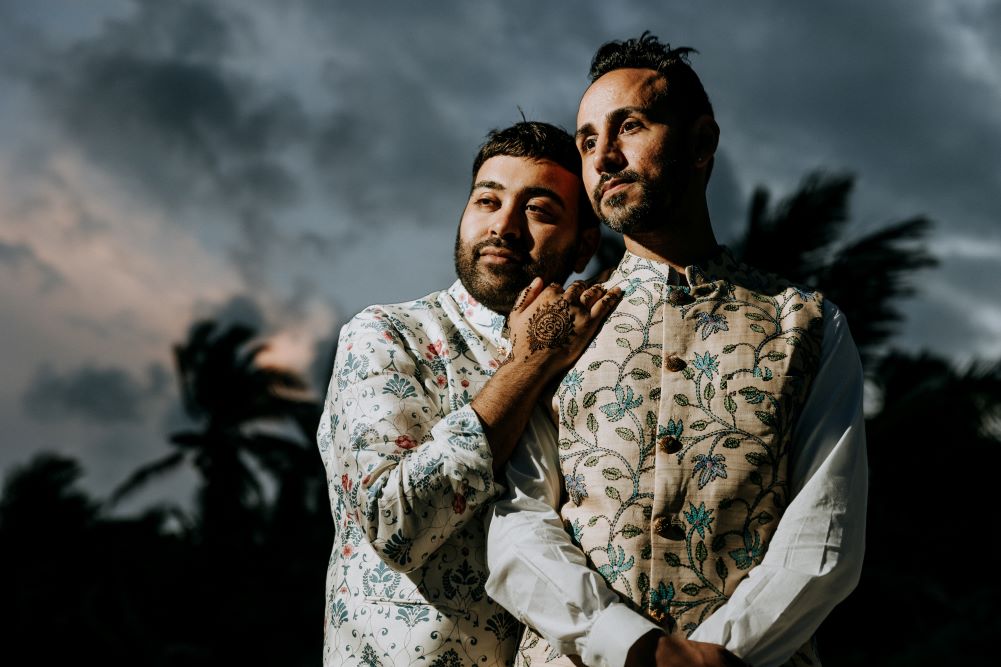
{"x":709,"y":474}
{"x":427,"y":401}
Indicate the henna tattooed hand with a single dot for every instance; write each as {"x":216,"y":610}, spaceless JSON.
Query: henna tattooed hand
{"x":551,"y":327}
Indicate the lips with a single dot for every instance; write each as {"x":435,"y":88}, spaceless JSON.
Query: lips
{"x":496,"y":254}
{"x":613,"y":185}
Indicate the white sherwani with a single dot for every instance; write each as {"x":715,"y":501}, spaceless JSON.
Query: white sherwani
{"x":408,"y":469}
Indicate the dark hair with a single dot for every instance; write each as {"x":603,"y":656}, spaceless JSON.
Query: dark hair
{"x":685,"y":95}
{"x":538,"y":141}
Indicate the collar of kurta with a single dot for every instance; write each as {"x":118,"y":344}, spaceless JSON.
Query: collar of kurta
{"x":719,"y":266}
{"x":489,"y":324}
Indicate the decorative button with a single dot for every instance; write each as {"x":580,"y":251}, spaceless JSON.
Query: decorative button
{"x":674,"y":363}
{"x":679,"y":297}
{"x":670,"y":445}
{"x":668,"y":528}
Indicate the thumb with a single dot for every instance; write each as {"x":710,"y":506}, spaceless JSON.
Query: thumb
{"x":528,"y":295}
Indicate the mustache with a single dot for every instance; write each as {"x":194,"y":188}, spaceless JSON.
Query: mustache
{"x":516,"y":246}
{"x":626,"y":176}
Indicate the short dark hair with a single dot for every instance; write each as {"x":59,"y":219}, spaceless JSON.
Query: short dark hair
{"x":535,"y":140}
{"x":685,"y":95}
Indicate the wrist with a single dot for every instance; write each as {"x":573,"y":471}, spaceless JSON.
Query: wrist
{"x":530,"y":369}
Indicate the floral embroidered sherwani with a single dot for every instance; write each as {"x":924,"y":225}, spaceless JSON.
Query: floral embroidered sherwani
{"x":408,"y":469}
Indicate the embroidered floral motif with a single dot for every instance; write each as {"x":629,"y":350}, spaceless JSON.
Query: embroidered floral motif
{"x":571,"y":382}
{"x":699,"y":518}
{"x":710,"y":323}
{"x":624,"y":402}
{"x":575,"y":487}
{"x":709,"y":467}
{"x":706,"y":363}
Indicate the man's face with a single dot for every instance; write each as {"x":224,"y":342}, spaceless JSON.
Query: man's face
{"x":633,"y":165}
{"x":520,"y":222}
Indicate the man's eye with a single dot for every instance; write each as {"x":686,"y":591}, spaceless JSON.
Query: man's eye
{"x":588,"y":145}
{"x":539,"y":212}
{"x":629,"y":124}
{"x":485,"y":201}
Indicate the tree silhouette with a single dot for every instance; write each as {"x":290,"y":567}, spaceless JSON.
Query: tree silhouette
{"x":233,"y":399}
{"x":800,"y":240}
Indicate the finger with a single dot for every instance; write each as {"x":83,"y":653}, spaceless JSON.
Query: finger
{"x":607,"y":303}
{"x":528,"y":295}
{"x":592,"y":294}
{"x":574,"y":291}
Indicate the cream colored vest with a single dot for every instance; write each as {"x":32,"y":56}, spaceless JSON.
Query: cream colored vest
{"x":675,"y":431}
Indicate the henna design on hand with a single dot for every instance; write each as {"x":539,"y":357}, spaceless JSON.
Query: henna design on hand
{"x":550,"y":326}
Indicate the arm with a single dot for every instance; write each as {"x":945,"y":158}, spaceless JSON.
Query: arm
{"x":815,"y":556}
{"x":541,"y":577}
{"x":401,"y":463}
{"x":410,"y":474}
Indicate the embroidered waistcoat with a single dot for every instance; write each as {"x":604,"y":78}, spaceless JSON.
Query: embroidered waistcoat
{"x":675,"y":433}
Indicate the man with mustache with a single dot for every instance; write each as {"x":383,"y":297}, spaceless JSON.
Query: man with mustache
{"x":705,"y":501}
{"x":426,"y":403}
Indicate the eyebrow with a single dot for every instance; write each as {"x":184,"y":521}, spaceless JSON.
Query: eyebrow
{"x":531,"y":191}
{"x":611,"y":117}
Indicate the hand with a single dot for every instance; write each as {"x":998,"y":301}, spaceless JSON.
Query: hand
{"x":656,"y":648}
{"x":551,"y":327}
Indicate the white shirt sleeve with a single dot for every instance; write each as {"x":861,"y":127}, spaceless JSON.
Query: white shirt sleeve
{"x":815,"y":556}
{"x":539,"y":575}
{"x":813,"y":562}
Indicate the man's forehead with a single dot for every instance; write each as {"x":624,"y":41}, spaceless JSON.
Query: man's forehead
{"x":512,"y":172}
{"x":627,"y":87}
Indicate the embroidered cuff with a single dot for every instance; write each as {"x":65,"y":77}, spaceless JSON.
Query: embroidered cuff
{"x":470,"y":460}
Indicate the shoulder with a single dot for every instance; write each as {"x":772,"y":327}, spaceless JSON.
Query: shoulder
{"x":396,"y":319}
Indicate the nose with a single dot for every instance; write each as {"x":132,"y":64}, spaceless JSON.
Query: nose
{"x":507,"y":222}
{"x":608,"y":158}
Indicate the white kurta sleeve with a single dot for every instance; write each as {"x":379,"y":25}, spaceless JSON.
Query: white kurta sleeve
{"x":539,"y":575}
{"x":815,"y":556}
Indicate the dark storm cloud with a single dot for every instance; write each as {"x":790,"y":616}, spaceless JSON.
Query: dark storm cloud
{"x":21,"y":257}
{"x":413,"y":105}
{"x":151,"y":98}
{"x":97,"y":393}
{"x":896,"y":98}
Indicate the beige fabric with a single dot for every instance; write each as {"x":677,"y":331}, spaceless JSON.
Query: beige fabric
{"x":675,"y":428}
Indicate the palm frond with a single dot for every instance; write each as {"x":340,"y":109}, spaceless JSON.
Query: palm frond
{"x":144,"y":474}
{"x":868,"y":277}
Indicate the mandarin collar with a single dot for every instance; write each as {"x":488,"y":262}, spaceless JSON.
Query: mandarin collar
{"x":721,"y":265}
{"x":488,"y":323}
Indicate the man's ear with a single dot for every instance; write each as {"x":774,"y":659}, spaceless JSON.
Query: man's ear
{"x":589,"y":240}
{"x":705,"y":139}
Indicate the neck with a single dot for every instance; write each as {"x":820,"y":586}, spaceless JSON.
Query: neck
{"x":684,"y":239}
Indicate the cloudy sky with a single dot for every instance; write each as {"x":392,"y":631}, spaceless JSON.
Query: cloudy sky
{"x":286,"y":164}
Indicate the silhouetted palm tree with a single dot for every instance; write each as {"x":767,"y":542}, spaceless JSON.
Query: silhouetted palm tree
{"x":233,"y":397}
{"x":800,"y":240}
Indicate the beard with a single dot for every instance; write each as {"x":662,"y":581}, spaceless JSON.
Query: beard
{"x":656,"y":197}
{"x":497,"y":286}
